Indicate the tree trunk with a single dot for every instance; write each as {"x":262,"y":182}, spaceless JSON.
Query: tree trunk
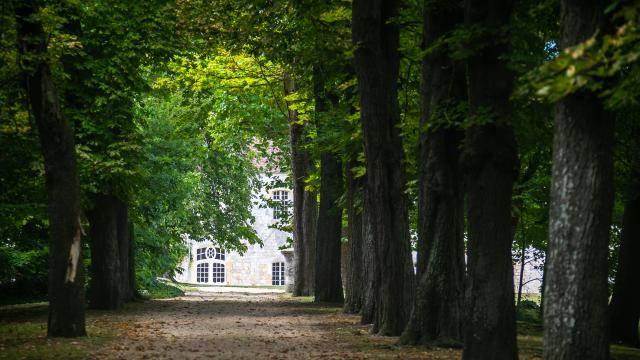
{"x":523,"y":257}
{"x":132,"y":263}
{"x":328,"y":282}
{"x":370,"y":272}
{"x":299,"y":169}
{"x":66,"y":271}
{"x":490,"y":160}
{"x":575,"y":308}
{"x":438,"y":309}
{"x":106,"y":275}
{"x":124,"y":240}
{"x":328,"y":279}
{"x":624,"y":309}
{"x":309,"y":221}
{"x":354,"y":279}
{"x":376,"y":41}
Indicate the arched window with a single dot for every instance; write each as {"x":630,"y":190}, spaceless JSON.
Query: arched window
{"x":281,"y":203}
{"x":277,"y":273}
{"x":202,"y":273}
{"x":217,"y":273}
{"x":210,"y":265}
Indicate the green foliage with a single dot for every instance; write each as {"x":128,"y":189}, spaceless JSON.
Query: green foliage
{"x":529,"y":311}
{"x":606,"y":63}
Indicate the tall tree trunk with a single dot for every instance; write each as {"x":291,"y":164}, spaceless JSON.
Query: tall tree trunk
{"x":438,"y":309}
{"x":376,"y":41}
{"x":309,"y":226}
{"x":490,"y":160}
{"x":575,"y":309}
{"x":328,"y":281}
{"x":132,"y":263}
{"x":298,"y":169}
{"x":66,"y":271}
{"x":354,"y":279}
{"x":624,"y":308}
{"x":124,"y":240}
{"x":370,"y":270}
{"x":106,"y":278}
{"x":523,"y":258}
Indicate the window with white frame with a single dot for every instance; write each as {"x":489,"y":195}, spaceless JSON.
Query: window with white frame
{"x":280,"y":204}
{"x":210,"y":265}
{"x":202,"y":273}
{"x":277,"y":273}
{"x":217,"y":273}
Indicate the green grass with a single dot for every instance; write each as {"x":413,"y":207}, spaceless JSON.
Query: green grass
{"x":164,"y":290}
{"x":530,"y":343}
{"x":28,"y":340}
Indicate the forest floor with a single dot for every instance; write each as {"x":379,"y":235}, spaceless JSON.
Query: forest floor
{"x":232,"y":324}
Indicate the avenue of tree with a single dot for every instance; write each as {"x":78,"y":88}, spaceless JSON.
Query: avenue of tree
{"x":479,"y":134}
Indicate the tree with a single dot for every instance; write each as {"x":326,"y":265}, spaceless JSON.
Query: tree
{"x":490,"y":161}
{"x":575,"y":303}
{"x":376,"y":40}
{"x":105,"y":254}
{"x":328,"y":279}
{"x":437,"y":314}
{"x":66,"y":271}
{"x":624,"y":307}
{"x":354,"y":282}
{"x":304,"y":200}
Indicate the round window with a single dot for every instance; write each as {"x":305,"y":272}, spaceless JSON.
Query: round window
{"x":211,"y":253}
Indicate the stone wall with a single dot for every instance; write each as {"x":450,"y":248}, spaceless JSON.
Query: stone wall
{"x":254,"y":267}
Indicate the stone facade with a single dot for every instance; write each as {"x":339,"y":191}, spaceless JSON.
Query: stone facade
{"x":258,"y":266}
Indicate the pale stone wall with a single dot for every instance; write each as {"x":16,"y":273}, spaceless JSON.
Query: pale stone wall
{"x":254,"y":267}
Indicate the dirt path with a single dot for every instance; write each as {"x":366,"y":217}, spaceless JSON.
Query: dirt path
{"x":214,"y":323}
{"x":205,"y":325}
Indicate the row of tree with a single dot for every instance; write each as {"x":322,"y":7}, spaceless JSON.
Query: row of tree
{"x":126,"y":156}
{"x":468,"y":158}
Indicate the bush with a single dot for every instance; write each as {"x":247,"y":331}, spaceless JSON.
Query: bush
{"x":528,"y":311}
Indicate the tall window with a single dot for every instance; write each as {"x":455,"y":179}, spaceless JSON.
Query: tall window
{"x":202,"y":273}
{"x":217,"y":273}
{"x":281,"y":204}
{"x":277,"y":273}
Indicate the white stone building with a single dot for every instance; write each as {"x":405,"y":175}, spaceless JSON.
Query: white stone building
{"x":262,"y":265}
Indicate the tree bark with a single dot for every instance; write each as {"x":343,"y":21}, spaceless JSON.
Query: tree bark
{"x":437,"y":313}
{"x":376,"y":41}
{"x":132,"y":263}
{"x":304,"y":202}
{"x":66,"y":271}
{"x":354,"y":279}
{"x":370,"y":272}
{"x":575,"y":303}
{"x":106,"y":277}
{"x":124,"y":244}
{"x":490,"y":161}
{"x":328,"y":281}
{"x":309,"y":225}
{"x":624,"y":308}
